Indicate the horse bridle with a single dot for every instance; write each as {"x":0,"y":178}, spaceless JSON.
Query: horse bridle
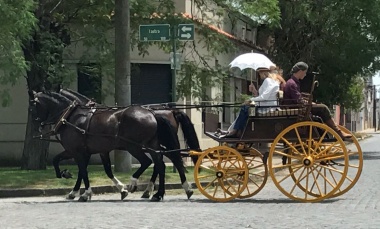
{"x":61,"y":120}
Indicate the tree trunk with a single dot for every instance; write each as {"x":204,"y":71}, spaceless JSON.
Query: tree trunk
{"x":123,"y":160}
{"x":35,"y":153}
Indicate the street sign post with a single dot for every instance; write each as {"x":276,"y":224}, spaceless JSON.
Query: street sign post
{"x":163,"y":32}
{"x":154,"y":32}
{"x":186,"y":32}
{"x":177,"y":58}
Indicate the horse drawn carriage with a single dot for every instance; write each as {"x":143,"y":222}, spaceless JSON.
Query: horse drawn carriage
{"x":306,"y":159}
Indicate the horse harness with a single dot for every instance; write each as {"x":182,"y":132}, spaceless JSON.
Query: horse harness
{"x":68,"y":111}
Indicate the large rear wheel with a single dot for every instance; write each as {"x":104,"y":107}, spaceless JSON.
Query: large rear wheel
{"x":298,"y":160}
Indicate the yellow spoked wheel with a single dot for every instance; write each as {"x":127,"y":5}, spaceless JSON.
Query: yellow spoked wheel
{"x":257,"y":173}
{"x":220,"y":173}
{"x":355,"y":164}
{"x":299,"y":169}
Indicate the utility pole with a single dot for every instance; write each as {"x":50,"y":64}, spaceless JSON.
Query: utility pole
{"x":374,"y":107}
{"x":174,"y":72}
{"x":123,"y":160}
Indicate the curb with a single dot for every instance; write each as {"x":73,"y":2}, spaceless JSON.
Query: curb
{"x":14,"y":193}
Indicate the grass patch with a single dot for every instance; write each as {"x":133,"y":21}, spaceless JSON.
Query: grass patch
{"x":12,"y":177}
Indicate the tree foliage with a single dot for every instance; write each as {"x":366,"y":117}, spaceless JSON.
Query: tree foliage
{"x":17,"y":23}
{"x":339,"y":46}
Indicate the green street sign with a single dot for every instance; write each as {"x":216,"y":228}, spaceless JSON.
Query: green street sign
{"x":154,"y":32}
{"x":186,"y":32}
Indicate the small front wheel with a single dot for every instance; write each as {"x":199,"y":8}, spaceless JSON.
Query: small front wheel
{"x":220,"y":173}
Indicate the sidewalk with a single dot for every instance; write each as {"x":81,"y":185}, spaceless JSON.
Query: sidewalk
{"x":369,"y":131}
{"x":12,"y":193}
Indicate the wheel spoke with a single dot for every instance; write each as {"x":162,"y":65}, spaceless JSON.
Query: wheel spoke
{"x":315,"y":182}
{"x":300,"y":141}
{"x":295,"y":184}
{"x":320,"y":140}
{"x":326,"y":149}
{"x":287,"y":166}
{"x":210,"y":183}
{"x":212,"y":161}
{"x":288,"y":155}
{"x":290,"y":174}
{"x":326,"y":179}
{"x":290,"y":145}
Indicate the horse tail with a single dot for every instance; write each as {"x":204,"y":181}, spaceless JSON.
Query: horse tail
{"x":189,"y":133}
{"x":167,"y":137}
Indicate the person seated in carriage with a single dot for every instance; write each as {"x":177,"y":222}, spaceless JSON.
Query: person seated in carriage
{"x":292,"y":96}
{"x":266,"y":97}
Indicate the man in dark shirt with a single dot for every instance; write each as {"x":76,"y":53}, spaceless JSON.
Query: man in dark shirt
{"x":292,"y":95}
{"x":292,"y":90}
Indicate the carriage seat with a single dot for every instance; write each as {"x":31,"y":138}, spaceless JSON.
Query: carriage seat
{"x":280,"y":112}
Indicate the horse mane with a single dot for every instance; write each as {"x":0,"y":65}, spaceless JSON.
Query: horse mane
{"x":76,"y":95}
{"x":56,"y":97}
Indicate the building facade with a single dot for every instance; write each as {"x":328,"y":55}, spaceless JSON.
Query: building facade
{"x":151,"y":80}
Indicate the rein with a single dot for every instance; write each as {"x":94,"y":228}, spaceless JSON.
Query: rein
{"x":165,"y":106}
{"x":57,"y":124}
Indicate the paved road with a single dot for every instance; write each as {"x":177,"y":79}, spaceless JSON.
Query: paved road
{"x":359,"y":208}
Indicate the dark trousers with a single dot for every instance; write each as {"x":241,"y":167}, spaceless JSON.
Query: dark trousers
{"x":242,"y":118}
{"x":322,"y":111}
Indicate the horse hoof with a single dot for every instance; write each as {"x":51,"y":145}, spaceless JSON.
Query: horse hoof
{"x":156,"y":198}
{"x":145,"y":195}
{"x":133,"y":189}
{"x":66,"y":174}
{"x":85,"y":198}
{"x":82,"y":199}
{"x":123,"y":194}
{"x":189,"y":193}
{"x":70,"y":197}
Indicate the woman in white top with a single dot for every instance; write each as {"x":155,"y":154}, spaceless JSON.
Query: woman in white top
{"x":267,"y":96}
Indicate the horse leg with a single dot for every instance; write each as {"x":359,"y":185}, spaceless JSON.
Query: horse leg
{"x":106,"y":161}
{"x":181,"y":171}
{"x":145,"y":162}
{"x":75,"y":192}
{"x":160,"y":165}
{"x":83,"y":161}
{"x":150,"y":187}
{"x":59,"y":157}
{"x":178,"y":163}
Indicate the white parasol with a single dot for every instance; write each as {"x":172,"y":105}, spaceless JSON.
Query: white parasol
{"x":252,"y":60}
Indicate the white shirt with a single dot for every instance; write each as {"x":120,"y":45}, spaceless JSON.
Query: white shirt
{"x":267,"y":93}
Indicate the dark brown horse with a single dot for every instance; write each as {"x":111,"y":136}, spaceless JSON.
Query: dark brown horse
{"x":85,"y":131}
{"x":175,"y":118}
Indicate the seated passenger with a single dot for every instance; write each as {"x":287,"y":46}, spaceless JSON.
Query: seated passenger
{"x":292,"y":95}
{"x":267,"y":96}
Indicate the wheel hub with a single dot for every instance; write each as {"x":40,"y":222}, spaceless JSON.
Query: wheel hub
{"x":308,"y":161}
{"x":219,"y":174}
